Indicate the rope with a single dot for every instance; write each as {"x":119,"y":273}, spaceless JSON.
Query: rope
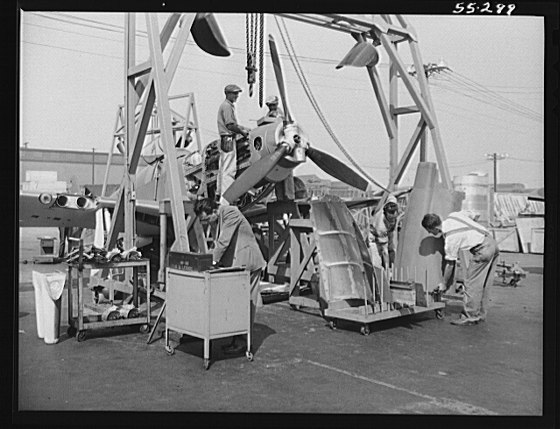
{"x":310,"y":96}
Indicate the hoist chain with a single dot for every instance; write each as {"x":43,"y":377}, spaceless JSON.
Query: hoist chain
{"x":251,"y":29}
{"x":261,"y":61}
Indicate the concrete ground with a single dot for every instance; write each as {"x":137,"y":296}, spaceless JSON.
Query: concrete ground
{"x":410,"y":365}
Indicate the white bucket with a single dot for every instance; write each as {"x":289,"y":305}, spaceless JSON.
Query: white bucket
{"x":48,"y":293}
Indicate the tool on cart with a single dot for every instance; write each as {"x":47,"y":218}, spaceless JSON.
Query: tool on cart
{"x":512,"y":271}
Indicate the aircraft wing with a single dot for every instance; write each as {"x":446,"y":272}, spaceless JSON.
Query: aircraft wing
{"x":56,"y":210}
{"x":145,"y":207}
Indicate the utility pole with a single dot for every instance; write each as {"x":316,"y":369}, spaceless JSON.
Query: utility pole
{"x":93,"y":166}
{"x":429,"y":70}
{"x":495,"y":157}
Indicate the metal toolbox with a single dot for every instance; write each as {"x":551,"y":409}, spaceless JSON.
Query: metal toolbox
{"x":208,"y":305}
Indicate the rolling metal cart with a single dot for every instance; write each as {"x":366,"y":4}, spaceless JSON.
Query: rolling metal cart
{"x":98,"y":317}
{"x":210,"y":304}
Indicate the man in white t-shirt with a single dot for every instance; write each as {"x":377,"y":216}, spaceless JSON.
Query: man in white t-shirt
{"x":461,"y":233}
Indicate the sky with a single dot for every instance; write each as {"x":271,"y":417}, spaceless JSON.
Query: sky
{"x":491,"y":99}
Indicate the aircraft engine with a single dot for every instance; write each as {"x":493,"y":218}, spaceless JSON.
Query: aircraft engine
{"x":73,"y":201}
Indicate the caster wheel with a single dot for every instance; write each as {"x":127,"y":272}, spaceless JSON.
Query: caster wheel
{"x":71,"y":331}
{"x":332,"y":324}
{"x":144,"y":329}
{"x":81,"y":336}
{"x":249,"y":356}
{"x":295,"y":306}
{"x":364,"y":330}
{"x":206,"y":364}
{"x":439,"y":313}
{"x":170,"y":350}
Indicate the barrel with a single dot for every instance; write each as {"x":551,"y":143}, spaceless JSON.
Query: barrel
{"x":477,"y":194}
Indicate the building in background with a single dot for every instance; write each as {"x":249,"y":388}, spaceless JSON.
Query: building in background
{"x":77,"y":168}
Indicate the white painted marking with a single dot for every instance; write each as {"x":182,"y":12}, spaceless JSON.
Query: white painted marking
{"x":450,"y":404}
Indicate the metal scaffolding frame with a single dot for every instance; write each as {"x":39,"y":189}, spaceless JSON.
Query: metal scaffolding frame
{"x":151,"y":79}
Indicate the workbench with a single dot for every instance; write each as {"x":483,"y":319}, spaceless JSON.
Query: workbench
{"x":80,"y":323}
{"x":208,"y":305}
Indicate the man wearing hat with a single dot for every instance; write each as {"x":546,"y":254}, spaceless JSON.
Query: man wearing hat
{"x":273,"y":111}
{"x":285,"y":190}
{"x":228,"y":128}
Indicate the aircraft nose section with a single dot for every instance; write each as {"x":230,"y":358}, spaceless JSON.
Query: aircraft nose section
{"x":208,"y":36}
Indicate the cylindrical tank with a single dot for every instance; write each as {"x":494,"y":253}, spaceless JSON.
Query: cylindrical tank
{"x":477,"y":194}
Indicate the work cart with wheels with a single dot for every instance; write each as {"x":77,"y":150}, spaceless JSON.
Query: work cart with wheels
{"x":91,"y":315}
{"x":208,"y":305}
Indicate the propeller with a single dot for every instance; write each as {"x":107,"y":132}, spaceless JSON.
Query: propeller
{"x":337,"y":169}
{"x":324,"y":161}
{"x":254,"y":174}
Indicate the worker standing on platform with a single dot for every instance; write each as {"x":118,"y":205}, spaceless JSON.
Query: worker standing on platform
{"x":235,"y":245}
{"x":383,"y":230}
{"x":274,"y":111}
{"x":461,"y":232}
{"x":228,"y":128}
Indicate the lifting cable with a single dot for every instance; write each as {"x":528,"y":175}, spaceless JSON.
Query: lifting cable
{"x":307,"y":89}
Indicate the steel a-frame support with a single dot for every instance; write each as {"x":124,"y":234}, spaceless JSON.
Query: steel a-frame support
{"x":145,"y":83}
{"x":387,"y":32}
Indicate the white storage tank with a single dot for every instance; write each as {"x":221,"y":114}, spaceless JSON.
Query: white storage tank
{"x":478,"y":195}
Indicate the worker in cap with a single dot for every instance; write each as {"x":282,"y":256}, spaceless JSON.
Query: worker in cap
{"x":235,"y":246}
{"x":383,"y":232}
{"x":230,"y":130}
{"x":274,"y":112}
{"x":285,"y":190}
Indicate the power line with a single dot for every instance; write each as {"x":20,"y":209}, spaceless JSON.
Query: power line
{"x":486,"y":94}
{"x":480,"y":117}
{"x":541,"y":161}
{"x":484,"y":100}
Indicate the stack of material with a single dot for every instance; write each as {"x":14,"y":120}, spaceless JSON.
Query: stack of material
{"x":522,"y":221}
{"x":510,"y":206}
{"x":531,"y":234}
{"x":43,"y":181}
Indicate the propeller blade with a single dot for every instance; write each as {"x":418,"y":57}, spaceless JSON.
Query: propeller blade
{"x":208,"y":36}
{"x":254,"y":174}
{"x":336,"y":169}
{"x":279,"y":77}
{"x":362,"y":54}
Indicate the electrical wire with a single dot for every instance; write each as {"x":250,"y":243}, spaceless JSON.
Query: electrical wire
{"x":476,"y":116}
{"x":471,"y":89}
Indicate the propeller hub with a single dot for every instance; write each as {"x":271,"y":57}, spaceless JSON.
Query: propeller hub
{"x":295,"y":139}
